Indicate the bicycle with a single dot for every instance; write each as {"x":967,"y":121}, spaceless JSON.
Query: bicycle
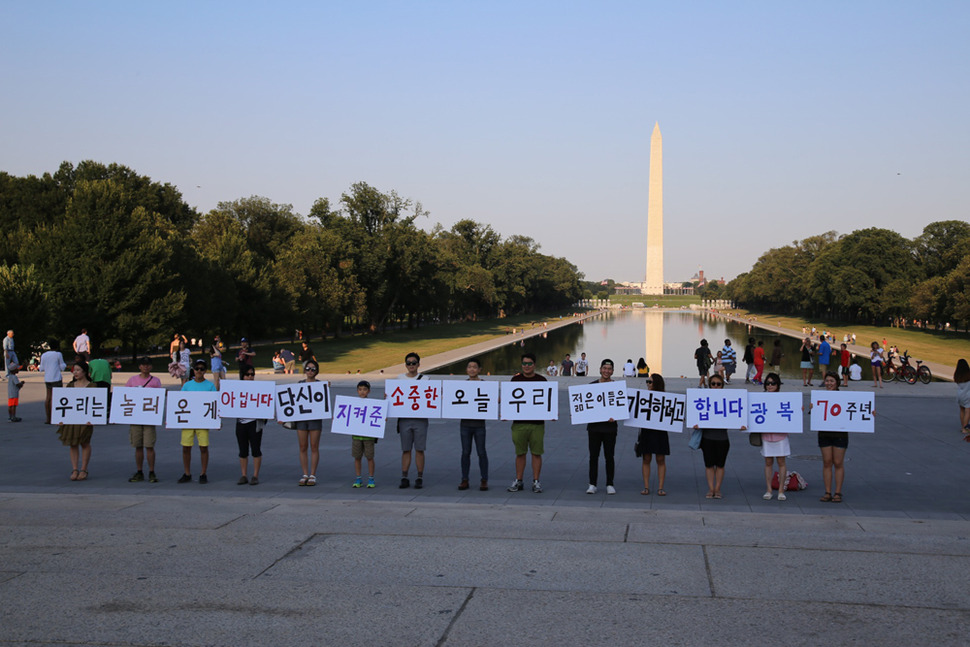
{"x":908,"y":373}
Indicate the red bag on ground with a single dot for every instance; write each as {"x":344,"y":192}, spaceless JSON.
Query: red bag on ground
{"x":795,"y":482}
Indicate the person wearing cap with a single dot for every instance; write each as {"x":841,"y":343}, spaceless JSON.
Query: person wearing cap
{"x":143,"y":436}
{"x":245,"y":356}
{"x":197,"y":383}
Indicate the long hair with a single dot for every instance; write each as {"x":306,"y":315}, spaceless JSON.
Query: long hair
{"x":657,"y":382}
{"x":84,"y":367}
{"x":962,"y":373}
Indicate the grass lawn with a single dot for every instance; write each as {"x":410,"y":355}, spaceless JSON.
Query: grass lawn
{"x":927,"y":345}
{"x":665,"y":301}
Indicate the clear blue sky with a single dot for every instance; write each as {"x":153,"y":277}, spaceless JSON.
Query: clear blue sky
{"x":780,"y":120}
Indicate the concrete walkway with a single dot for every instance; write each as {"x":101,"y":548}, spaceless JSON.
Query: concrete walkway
{"x":107,"y":562}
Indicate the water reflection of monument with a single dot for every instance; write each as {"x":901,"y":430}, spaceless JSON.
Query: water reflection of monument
{"x":653,"y":328}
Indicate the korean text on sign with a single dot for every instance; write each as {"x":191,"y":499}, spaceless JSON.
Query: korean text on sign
{"x":529,"y":401}
{"x":79,"y":406}
{"x":247,"y":399}
{"x":598,"y":402}
{"x":469,"y":399}
{"x":717,"y":408}
{"x":843,"y":411}
{"x":656,"y":410}
{"x":775,"y":413}
{"x":303,"y":401}
{"x":413,"y":398}
{"x":132,"y":405}
{"x":192,"y":410}
{"x":359,"y":416}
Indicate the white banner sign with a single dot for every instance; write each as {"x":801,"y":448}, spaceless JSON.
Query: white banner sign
{"x":192,"y":410}
{"x":598,"y":402}
{"x":469,"y":399}
{"x":247,"y":399}
{"x":656,"y":410}
{"x":717,"y":408}
{"x":843,"y":411}
{"x":413,"y":398}
{"x":133,"y":405}
{"x":775,"y":413}
{"x":303,"y":401}
{"x":359,"y":416}
{"x":72,"y":406}
{"x":529,"y":401}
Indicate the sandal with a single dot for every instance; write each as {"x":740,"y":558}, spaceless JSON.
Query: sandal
{"x":837,"y":497}
{"x":311,"y":480}
{"x":74,"y":475}
{"x":303,"y":480}
{"x":717,"y":495}
{"x":709,"y":495}
{"x":827,"y":498}
{"x":645,"y":490}
{"x":82,"y":475}
{"x":661,"y":493}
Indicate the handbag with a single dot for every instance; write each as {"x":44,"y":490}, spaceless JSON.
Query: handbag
{"x":794,"y":482}
{"x":755,"y":439}
{"x":695,"y":439}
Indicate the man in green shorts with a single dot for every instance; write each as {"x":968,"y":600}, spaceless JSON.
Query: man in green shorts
{"x":527,"y":435}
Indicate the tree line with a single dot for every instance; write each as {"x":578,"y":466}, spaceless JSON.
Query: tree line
{"x":101,"y":247}
{"x":869,"y":276}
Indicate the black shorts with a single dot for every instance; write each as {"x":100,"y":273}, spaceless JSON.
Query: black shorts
{"x":838,"y":439}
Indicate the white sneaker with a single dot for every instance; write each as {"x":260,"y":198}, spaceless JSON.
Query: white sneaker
{"x":610,"y":489}
{"x":781,"y":496}
{"x":536,"y":487}
{"x":591,"y":489}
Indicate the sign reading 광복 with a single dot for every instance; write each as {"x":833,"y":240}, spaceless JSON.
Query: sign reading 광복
{"x":469,"y":399}
{"x":192,"y":410}
{"x":717,"y":408}
{"x":359,"y":416}
{"x":656,"y":410}
{"x":598,"y":402}
{"x":247,"y":399}
{"x":133,"y":405}
{"x":843,"y":411}
{"x":529,"y":401}
{"x":413,"y":398}
{"x":72,"y":406}
{"x":303,"y":401}
{"x":777,"y":413}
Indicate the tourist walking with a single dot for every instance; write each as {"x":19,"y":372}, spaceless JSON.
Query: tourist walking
{"x":704,"y":361}
{"x":806,"y":362}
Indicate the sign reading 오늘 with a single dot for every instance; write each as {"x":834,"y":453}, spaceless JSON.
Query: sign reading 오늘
{"x":529,"y":401}
{"x":469,"y":399}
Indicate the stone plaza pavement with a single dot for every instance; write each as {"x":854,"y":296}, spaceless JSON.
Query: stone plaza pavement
{"x":107,"y":562}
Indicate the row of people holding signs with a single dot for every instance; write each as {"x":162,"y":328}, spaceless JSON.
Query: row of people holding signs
{"x":457,"y":399}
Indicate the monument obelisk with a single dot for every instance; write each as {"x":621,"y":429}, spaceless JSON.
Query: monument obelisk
{"x":655,"y":217}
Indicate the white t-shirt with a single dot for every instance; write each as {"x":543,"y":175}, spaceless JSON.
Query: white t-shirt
{"x":82,"y":343}
{"x":855,"y":372}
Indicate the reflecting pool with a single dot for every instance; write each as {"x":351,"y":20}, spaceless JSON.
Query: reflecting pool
{"x":666,"y":339}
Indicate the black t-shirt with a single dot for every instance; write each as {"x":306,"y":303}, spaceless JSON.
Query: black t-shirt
{"x":603,"y":425}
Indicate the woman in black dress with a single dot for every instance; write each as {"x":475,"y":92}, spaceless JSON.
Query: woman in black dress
{"x":654,"y":443}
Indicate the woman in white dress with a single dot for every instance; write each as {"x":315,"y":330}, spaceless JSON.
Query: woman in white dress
{"x":775,"y":447}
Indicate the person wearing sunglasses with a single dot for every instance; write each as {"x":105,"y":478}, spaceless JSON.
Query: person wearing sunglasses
{"x":775,"y":447}
{"x":528,"y":435}
{"x":413,"y":431}
{"x":249,"y":436}
{"x":308,"y":434}
{"x":189,"y":436}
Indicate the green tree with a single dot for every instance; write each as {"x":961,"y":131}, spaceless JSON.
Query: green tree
{"x":23,"y":302}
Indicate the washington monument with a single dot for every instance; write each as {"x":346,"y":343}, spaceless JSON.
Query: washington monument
{"x":655,"y":217}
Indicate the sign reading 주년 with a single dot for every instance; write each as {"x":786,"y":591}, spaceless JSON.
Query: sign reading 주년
{"x":843,"y":411}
